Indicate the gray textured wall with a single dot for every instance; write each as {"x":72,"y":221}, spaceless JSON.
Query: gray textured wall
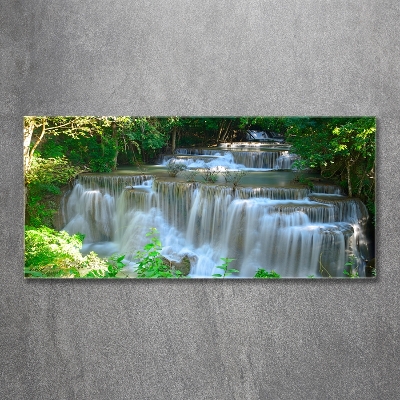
{"x":203,"y":339}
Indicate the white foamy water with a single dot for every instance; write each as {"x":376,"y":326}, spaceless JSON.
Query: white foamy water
{"x":232,"y":160}
{"x":281,"y":229}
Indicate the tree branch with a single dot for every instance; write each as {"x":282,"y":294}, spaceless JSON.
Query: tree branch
{"x":38,"y":141}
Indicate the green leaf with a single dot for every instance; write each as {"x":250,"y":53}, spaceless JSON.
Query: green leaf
{"x":231,"y":271}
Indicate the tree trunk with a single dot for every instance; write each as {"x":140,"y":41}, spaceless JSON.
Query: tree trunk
{"x":173,"y":140}
{"x":225,"y":136}
{"x":115,"y":138}
{"x":349,"y":179}
{"x":28,"y":132}
{"x":220,"y":132}
{"x":223,"y":131}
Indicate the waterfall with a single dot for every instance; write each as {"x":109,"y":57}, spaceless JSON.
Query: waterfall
{"x":290,"y":230}
{"x":327,"y":189}
{"x":285,"y":160}
{"x":261,"y":160}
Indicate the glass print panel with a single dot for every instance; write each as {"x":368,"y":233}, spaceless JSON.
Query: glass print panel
{"x":199,"y":197}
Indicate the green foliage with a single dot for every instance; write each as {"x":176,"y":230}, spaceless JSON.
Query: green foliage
{"x":39,"y":211}
{"x":224,"y":267}
{"x":352,"y":271}
{"x":53,"y":254}
{"x":350,"y":274}
{"x":51,"y":148}
{"x":114,"y":266}
{"x":38,"y":132}
{"x":94,"y":151}
{"x":341,"y":148}
{"x":43,"y":183}
{"x":262,"y":273}
{"x":151,"y":264}
{"x":51,"y":171}
{"x":148,"y":134}
{"x":303,"y":180}
{"x":93,"y":142}
{"x":206,"y":131}
{"x":57,"y":148}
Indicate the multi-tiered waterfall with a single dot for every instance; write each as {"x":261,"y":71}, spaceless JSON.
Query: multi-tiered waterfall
{"x":239,"y":159}
{"x":296,"y":231}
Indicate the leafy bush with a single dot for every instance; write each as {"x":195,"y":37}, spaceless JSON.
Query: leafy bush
{"x":100,"y":165}
{"x":49,"y":253}
{"x":262,"y":273}
{"x":51,"y":171}
{"x":114,"y":266}
{"x":43,"y":181}
{"x":39,"y":211}
{"x":151,"y":264}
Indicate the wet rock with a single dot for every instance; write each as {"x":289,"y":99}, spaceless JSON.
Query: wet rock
{"x":183,"y":265}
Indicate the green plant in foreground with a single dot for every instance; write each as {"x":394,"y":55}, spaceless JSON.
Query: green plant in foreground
{"x":151,"y":264}
{"x":53,"y":254}
{"x":352,"y":272}
{"x":262,"y":273}
{"x":225,"y":269}
{"x":114,"y":266}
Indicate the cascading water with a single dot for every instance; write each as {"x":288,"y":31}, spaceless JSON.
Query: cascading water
{"x":291,"y":230}
{"x":249,"y":160}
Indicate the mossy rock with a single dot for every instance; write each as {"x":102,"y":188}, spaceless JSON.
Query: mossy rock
{"x":183,"y":265}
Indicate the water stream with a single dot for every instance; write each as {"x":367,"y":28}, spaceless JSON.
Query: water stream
{"x":267,"y":222}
